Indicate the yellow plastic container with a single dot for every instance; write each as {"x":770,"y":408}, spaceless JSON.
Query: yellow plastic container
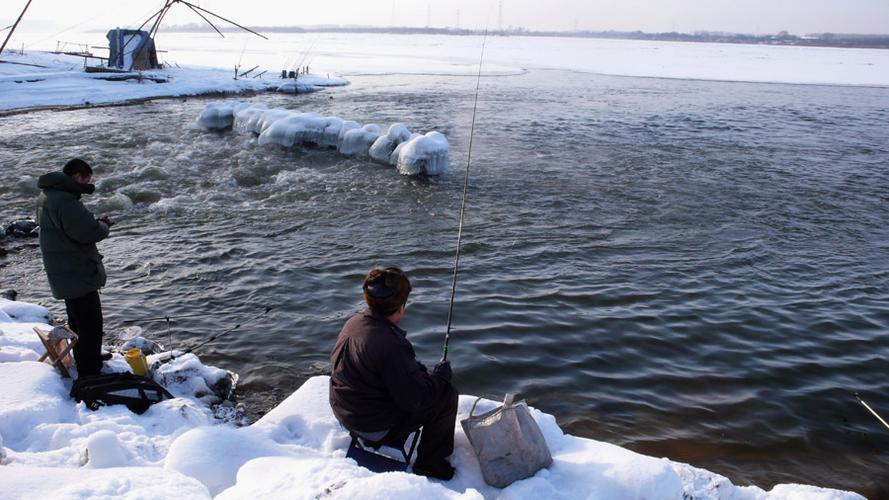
{"x":137,"y":361}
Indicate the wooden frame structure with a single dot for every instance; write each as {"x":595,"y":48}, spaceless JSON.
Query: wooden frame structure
{"x":58,"y":348}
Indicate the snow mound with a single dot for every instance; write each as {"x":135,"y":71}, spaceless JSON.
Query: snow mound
{"x":310,"y":477}
{"x":22,"y":312}
{"x":412,"y":154}
{"x":213,"y":455}
{"x":105,"y":450}
{"x":186,"y":376}
{"x":33,"y":394}
{"x":382,"y":148}
{"x":423,"y":154}
{"x":25,"y":483}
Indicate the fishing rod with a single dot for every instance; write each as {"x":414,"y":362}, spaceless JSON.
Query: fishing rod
{"x":169,"y":319}
{"x":871,"y":410}
{"x":226,"y":332}
{"x":444,"y":356}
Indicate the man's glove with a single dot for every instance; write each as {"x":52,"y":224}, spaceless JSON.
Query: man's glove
{"x":443,"y":370}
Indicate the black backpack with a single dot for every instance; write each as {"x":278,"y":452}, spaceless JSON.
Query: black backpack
{"x":134,"y":391}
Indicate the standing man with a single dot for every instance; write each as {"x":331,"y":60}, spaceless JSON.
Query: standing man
{"x":68,"y":237}
{"x":380,"y":391}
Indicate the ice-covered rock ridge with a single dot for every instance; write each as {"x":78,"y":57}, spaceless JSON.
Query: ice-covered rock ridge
{"x":410,"y":153}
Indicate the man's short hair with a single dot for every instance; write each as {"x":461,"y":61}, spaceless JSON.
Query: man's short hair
{"x":386,"y":289}
{"x":77,"y":166}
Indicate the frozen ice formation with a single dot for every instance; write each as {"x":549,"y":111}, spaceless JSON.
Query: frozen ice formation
{"x":303,"y":128}
{"x":411,"y":153}
{"x":382,"y":148}
{"x":357,"y":141}
{"x":422,"y":154}
{"x":216,"y":116}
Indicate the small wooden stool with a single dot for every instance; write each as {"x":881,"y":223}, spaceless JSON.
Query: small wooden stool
{"x":58,"y":343}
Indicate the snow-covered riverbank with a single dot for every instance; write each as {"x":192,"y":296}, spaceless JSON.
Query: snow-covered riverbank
{"x":43,"y":79}
{"x":190,"y":447}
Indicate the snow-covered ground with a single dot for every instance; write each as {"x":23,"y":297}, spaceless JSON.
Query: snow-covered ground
{"x":52,"y":447}
{"x":39,"y":79}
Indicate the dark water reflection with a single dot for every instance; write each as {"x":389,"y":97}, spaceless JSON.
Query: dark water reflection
{"x":691,"y":269}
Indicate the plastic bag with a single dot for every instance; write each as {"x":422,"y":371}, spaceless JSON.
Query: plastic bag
{"x":507,"y":442}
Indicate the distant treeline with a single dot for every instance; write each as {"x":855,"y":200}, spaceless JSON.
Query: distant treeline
{"x":782,"y":38}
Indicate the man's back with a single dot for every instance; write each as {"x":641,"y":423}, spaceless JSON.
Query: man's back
{"x":375,"y":377}
{"x":68,"y":237}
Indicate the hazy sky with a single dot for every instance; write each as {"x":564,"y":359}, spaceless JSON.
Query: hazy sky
{"x":748,"y":16}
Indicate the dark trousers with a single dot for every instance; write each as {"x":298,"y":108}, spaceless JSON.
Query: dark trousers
{"x":437,"y":420}
{"x":85,"y":318}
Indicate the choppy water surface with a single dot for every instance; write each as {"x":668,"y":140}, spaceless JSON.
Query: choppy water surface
{"x":695,"y":270}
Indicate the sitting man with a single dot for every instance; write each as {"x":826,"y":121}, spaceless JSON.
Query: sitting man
{"x":379,"y":390}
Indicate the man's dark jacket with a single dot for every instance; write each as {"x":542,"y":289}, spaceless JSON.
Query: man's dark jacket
{"x":68,"y":237}
{"x":376,"y":380}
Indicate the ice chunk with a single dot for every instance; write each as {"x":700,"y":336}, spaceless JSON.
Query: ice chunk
{"x":303,"y":129}
{"x":347,"y":126}
{"x":297,"y":87}
{"x":246,"y":115}
{"x":422,"y":154}
{"x":259,"y":122}
{"x":393,"y":157}
{"x":357,"y":141}
{"x":217,"y":116}
{"x":382,"y":148}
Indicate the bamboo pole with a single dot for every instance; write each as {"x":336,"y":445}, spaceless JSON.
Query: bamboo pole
{"x":8,"y":36}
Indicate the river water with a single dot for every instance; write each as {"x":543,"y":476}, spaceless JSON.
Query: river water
{"x":691,"y":269}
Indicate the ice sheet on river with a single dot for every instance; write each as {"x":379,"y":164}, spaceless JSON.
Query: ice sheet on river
{"x":410,"y":153}
{"x":297,"y":450}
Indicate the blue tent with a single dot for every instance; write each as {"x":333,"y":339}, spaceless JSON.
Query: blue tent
{"x":131,"y":49}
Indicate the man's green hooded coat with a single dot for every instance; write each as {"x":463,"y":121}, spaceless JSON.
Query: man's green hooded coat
{"x":68,"y":237}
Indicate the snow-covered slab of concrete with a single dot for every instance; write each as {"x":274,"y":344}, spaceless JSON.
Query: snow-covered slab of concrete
{"x":41,"y":79}
{"x":52,"y":447}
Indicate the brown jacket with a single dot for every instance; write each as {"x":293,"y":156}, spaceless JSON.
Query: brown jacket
{"x":375,"y":378}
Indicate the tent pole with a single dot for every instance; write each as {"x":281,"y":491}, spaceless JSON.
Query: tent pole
{"x":13,"y":27}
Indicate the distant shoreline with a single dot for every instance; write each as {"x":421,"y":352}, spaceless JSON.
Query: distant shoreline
{"x":836,"y":40}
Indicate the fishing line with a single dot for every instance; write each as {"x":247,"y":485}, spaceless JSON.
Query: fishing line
{"x":478,"y":80}
{"x":226,"y":332}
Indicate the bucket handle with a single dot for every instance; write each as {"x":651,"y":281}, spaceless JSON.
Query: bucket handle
{"x":507,"y":402}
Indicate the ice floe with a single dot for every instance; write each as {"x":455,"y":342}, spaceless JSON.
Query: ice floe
{"x":410,"y":153}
